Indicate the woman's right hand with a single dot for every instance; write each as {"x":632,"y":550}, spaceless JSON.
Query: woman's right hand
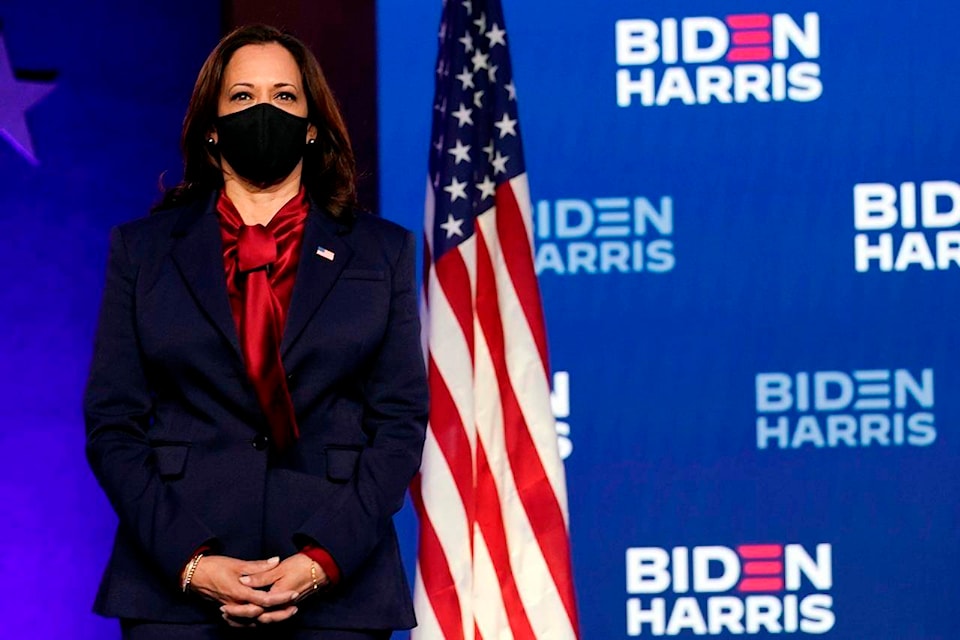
{"x":218,"y":578}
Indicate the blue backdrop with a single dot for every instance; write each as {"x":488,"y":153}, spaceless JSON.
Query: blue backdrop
{"x":750,"y":301}
{"x":682,"y":429}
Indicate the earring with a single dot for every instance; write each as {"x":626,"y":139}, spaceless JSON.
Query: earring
{"x":312,"y":141}
{"x":211,"y":141}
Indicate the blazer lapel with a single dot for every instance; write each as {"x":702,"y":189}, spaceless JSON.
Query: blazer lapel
{"x":198,"y":254}
{"x":322,"y":257}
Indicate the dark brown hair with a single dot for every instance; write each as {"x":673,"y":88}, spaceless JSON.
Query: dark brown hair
{"x":329,"y":170}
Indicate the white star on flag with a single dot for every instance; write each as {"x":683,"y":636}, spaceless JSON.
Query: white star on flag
{"x":467,"y":41}
{"x":506,"y":126}
{"x":458,"y":189}
{"x":453,"y":226}
{"x":463,"y":115}
{"x":495,"y":35}
{"x":499,"y":163}
{"x":488,"y":188}
{"x":466,"y":78}
{"x":460,"y":152}
{"x":480,"y":61}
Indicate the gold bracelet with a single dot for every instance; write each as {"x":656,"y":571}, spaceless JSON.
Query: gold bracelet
{"x":313,"y":575}
{"x":190,"y":571}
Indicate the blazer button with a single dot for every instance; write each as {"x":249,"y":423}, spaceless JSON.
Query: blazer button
{"x":260,"y":442}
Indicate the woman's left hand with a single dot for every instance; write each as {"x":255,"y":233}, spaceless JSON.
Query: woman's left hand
{"x":298,"y":573}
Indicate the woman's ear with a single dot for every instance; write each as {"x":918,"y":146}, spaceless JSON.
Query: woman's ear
{"x":312,"y":133}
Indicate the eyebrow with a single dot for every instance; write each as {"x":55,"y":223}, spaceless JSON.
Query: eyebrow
{"x":275,"y":86}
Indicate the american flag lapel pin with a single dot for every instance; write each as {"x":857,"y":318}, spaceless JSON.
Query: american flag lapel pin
{"x":326,"y":254}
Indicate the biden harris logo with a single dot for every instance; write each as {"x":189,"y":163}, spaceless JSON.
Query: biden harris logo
{"x":736,"y":58}
{"x":906,"y":227}
{"x":839,"y":409}
{"x":604,"y":236}
{"x":719,"y":590}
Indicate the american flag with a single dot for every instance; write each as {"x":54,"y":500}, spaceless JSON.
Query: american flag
{"x":494,"y":557}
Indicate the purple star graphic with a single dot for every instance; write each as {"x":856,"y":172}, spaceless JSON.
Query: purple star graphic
{"x":16,"y":96}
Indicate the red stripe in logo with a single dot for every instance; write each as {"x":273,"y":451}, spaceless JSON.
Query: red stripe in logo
{"x":749,"y":21}
{"x":749,"y":54}
{"x":762,"y":568}
{"x":760,"y":551}
{"x":741,"y":38}
{"x":760,"y":584}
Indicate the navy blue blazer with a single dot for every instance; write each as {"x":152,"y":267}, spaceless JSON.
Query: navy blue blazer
{"x":176,"y":438}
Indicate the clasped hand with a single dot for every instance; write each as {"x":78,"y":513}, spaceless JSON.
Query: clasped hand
{"x":257,"y":591}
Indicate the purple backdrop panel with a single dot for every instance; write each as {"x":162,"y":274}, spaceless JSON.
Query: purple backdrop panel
{"x":91,"y":99}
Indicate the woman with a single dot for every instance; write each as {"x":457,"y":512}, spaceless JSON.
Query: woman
{"x":257,"y":401}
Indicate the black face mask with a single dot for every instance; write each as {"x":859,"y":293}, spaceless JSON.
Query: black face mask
{"x":262,"y":143}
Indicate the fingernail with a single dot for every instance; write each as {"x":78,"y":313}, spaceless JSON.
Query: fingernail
{"x":295,"y":596}
{"x":223,"y":609}
{"x":295,"y":610}
{"x":274,"y":560}
{"x":245,"y":579}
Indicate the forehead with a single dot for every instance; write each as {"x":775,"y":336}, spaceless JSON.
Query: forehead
{"x":270,"y":62}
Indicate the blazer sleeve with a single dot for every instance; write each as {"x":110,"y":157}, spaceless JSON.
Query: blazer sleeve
{"x":117,"y":410}
{"x":351,"y":525}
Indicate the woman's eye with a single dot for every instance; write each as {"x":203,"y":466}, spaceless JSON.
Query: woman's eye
{"x":240,"y":96}
{"x":286,"y":96}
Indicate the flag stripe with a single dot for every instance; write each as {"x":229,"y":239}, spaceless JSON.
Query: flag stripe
{"x":535,"y":490}
{"x":427,"y":623}
{"x":491,"y":617}
{"x":449,"y":522}
{"x":515,"y":248}
{"x":448,"y":350}
{"x":491,"y":524}
{"x":436,"y":576}
{"x":452,"y":438}
{"x":454,"y":278}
